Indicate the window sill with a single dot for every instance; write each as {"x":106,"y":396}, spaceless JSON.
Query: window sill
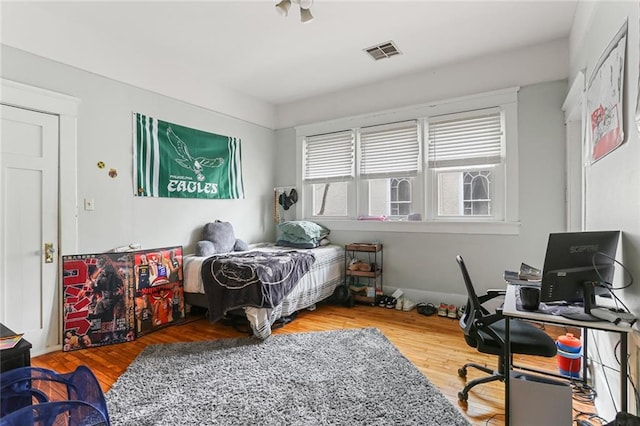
{"x":450,"y":227}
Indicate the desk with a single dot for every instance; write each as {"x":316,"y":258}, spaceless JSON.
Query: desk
{"x":510,"y":311}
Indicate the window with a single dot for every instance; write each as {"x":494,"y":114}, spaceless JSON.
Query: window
{"x":465,"y":193}
{"x":391,"y":197}
{"x":465,"y":152}
{"x":330,"y":199}
{"x":477,"y":193}
{"x":328,"y":168}
{"x":439,"y":163}
{"x":389,"y":159}
{"x":400,"y":197}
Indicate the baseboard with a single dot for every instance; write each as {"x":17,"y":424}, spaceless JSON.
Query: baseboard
{"x":429,"y":296}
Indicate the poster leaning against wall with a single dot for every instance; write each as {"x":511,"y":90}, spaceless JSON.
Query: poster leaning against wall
{"x":113,"y":297}
{"x":175,"y":161}
{"x":98,"y":300}
{"x":604,"y":98}
{"x":159,"y":295}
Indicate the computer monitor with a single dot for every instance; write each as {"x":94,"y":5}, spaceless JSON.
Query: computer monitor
{"x":577,"y":267}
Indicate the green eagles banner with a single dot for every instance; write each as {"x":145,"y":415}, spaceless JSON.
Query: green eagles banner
{"x":178,"y":162}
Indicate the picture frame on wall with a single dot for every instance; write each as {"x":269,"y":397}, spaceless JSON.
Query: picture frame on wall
{"x":604,"y":98}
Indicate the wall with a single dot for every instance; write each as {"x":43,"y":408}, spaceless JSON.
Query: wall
{"x":105,"y":134}
{"x":543,"y":62}
{"x":612,"y":184}
{"x":423,"y":264}
{"x":100,"y":53}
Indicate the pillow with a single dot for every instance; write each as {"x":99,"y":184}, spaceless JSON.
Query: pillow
{"x":240,"y":245}
{"x":221,"y":235}
{"x":302,"y":231}
{"x":284,"y":243}
{"x":205,"y":248}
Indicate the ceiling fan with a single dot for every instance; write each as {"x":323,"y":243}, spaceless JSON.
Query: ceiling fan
{"x":305,"y":8}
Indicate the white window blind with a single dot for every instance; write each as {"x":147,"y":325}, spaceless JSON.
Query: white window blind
{"x":466,"y":140}
{"x":390,"y":150}
{"x":329,"y":157}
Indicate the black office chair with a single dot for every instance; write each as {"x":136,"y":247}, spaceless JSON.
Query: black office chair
{"x":486,"y":332}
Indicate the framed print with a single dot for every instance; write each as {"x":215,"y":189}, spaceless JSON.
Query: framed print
{"x":604,"y":98}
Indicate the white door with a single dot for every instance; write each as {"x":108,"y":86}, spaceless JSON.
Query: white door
{"x":29,"y":288}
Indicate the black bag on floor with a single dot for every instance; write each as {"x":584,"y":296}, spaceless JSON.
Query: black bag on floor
{"x":238,"y":320}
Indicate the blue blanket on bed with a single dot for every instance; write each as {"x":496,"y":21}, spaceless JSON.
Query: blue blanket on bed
{"x":258,"y":279}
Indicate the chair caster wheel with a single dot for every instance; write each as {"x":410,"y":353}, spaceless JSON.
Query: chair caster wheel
{"x":462,"y":397}
{"x":462,"y":372}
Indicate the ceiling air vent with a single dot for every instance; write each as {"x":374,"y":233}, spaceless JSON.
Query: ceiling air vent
{"x":382,"y":50}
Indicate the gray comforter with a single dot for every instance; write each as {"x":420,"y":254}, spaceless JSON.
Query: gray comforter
{"x":258,"y":279}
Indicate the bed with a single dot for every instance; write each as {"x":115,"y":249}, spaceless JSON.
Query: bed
{"x":317,"y":284}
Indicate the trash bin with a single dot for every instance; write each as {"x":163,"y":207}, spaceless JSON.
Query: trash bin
{"x":32,"y":395}
{"x":569,"y":355}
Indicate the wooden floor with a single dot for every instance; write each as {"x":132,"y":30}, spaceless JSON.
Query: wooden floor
{"x":435,"y":345}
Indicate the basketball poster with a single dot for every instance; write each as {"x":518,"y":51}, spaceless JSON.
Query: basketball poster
{"x":159,"y":296}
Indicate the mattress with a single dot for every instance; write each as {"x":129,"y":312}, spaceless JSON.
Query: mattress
{"x":316,"y":285}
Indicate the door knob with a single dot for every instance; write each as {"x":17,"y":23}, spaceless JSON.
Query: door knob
{"x":48,"y":252}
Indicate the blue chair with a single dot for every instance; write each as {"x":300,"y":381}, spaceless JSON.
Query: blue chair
{"x":68,"y":413}
{"x":38,"y":396}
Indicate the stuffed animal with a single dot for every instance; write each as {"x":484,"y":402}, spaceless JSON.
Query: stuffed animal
{"x":218,"y":237}
{"x":358,"y":265}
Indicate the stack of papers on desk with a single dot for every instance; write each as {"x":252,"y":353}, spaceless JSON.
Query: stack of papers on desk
{"x":527,"y":275}
{"x":9,"y":342}
{"x":530,"y":273}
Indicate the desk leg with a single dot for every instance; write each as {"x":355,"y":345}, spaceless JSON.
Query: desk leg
{"x":507,"y":369}
{"x":585,"y":356}
{"x":623,"y":370}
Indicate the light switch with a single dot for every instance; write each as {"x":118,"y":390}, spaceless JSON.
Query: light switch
{"x":88,"y":204}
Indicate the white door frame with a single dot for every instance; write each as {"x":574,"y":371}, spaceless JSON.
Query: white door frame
{"x":66,"y":108}
{"x":573,"y":108}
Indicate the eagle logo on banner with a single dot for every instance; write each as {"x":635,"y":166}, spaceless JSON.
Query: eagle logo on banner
{"x":187,"y":161}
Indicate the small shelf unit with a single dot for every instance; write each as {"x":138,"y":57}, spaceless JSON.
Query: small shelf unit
{"x":365,"y":286}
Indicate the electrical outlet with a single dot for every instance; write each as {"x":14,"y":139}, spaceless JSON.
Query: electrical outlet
{"x":89,"y":204}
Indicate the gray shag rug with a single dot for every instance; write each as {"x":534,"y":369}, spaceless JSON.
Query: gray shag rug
{"x":347,"y":377}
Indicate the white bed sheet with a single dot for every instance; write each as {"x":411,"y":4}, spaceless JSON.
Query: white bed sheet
{"x":316,"y":285}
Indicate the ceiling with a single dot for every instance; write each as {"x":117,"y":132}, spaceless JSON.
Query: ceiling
{"x":246,"y":47}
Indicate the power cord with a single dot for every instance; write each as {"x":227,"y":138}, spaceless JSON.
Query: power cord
{"x":587,"y":421}
{"x":609,"y":286}
{"x":628,"y":273}
{"x":493,"y":417}
{"x":583,"y":392}
{"x":633,"y":385}
{"x":636,"y":394}
{"x":606,"y":379}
